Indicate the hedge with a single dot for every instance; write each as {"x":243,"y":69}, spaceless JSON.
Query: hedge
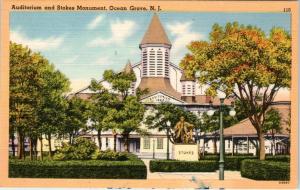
{"x":234,"y":162}
{"x":98,"y":169}
{"x":265,"y":170}
{"x":183,"y":166}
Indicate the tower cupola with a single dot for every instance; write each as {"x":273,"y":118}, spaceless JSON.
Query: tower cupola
{"x":155,"y":47}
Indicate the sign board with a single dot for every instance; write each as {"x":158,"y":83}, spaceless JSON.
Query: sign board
{"x":188,"y":152}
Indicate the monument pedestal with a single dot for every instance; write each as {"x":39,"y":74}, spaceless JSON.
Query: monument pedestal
{"x":187,"y":152}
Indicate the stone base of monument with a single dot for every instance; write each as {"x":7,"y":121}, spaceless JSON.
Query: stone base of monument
{"x":187,"y":152}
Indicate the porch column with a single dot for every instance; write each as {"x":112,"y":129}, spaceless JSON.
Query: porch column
{"x":232,"y":152}
{"x":247,"y":145}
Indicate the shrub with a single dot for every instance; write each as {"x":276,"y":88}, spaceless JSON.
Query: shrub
{"x":182,"y":166}
{"x":265,"y":170}
{"x":133,"y":168}
{"x":109,"y":155}
{"x":82,"y":149}
{"x":231,"y":162}
{"x":279,"y":158}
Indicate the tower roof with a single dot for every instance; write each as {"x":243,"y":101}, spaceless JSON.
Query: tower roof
{"x":128,"y":68}
{"x":155,"y":33}
{"x":184,"y":77}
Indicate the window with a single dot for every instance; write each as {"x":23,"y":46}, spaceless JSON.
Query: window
{"x":146,"y":143}
{"x":160,"y":143}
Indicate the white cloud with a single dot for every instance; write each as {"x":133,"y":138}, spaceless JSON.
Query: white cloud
{"x":36,"y":44}
{"x":120,"y":31}
{"x":183,"y":36}
{"x":95,"y":22}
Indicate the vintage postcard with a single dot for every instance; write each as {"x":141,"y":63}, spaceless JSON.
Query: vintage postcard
{"x":149,"y":94}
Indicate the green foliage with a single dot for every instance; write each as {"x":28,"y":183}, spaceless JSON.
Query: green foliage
{"x":81,"y":149}
{"x":102,"y":102}
{"x":120,"y":81}
{"x":134,"y":168}
{"x":234,"y":162}
{"x":272,"y":121}
{"x":109,"y":155}
{"x":77,"y":115}
{"x":127,"y":112}
{"x":279,"y":158}
{"x":265,"y":170}
{"x":36,"y":94}
{"x":183,"y":166}
{"x":162,"y":113}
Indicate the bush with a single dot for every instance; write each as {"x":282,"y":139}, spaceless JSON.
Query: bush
{"x":82,"y":149}
{"x":133,"y":168}
{"x":265,"y":170}
{"x":231,"y":162}
{"x":279,"y":158}
{"x":183,"y":166}
{"x":109,"y":155}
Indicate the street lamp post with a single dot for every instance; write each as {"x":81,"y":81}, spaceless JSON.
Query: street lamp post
{"x":221,"y":148}
{"x":153,"y":141}
{"x":168,"y":139}
{"x":221,"y":132}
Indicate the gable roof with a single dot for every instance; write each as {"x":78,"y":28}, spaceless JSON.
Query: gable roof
{"x":161,"y":92}
{"x":155,"y":84}
{"x":245,"y":127}
{"x":155,"y":33}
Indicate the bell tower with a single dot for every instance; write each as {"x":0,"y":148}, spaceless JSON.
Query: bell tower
{"x":155,"y":50}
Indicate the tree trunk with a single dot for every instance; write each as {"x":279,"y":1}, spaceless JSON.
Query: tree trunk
{"x":20,"y":145}
{"x":273,"y":144}
{"x":99,"y":139}
{"x":13,"y":144}
{"x":41,"y":142}
{"x":215,"y":145}
{"x":126,"y":147}
{"x":115,"y":142}
{"x":50,"y":147}
{"x":168,"y":145}
{"x":30,"y":148}
{"x":261,"y":140}
{"x":35,"y":147}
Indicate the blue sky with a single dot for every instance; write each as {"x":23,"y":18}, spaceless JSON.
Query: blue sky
{"x":82,"y":45}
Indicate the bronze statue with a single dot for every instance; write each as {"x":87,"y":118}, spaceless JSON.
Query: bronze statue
{"x":183,"y":132}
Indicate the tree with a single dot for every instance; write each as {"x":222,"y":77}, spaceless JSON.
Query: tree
{"x":272,"y":125}
{"x":162,"y":113}
{"x":242,"y":61}
{"x":102,"y":102}
{"x":36,"y":90}
{"x":77,"y":113}
{"x":24,"y":72}
{"x":128,"y":112}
